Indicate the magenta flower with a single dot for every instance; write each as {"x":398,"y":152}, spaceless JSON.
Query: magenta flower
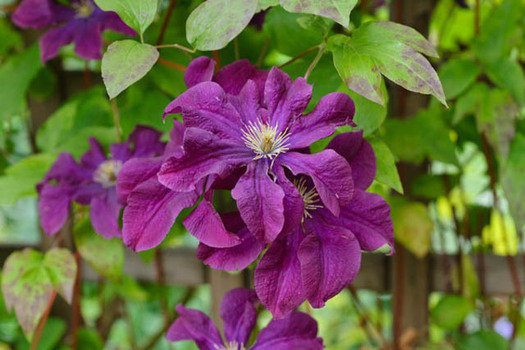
{"x":297,"y":331}
{"x":260,"y":133}
{"x":319,"y":258}
{"x":92,"y":182}
{"x":82,"y":23}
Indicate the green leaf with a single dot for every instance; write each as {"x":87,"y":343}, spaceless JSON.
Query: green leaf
{"x":451,"y":311}
{"x":386,"y":166}
{"x":17,"y":74}
{"x":214,"y":23}
{"x":138,"y":14}
{"x":21,"y":178}
{"x":483,"y":340}
{"x":469,"y":102}
{"x":412,"y":225}
{"x":368,"y":115}
{"x":512,"y":180}
{"x":508,"y":74}
{"x":10,"y":37}
{"x":385,"y":48}
{"x":265,"y":4}
{"x":105,"y":256}
{"x":338,"y":10}
{"x":126,"y":62}
{"x":29,"y":277}
{"x":457,"y":75}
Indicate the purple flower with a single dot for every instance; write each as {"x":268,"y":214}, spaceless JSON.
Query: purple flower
{"x":297,"y":331}
{"x":321,"y":256}
{"x":260,"y":133}
{"x":82,"y":23}
{"x":92,"y":182}
{"x":504,"y":327}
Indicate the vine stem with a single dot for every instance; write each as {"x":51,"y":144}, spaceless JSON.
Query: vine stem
{"x":176,"y":46}
{"x":169,"y":12}
{"x":43,"y":320}
{"x":116,"y":119}
{"x":299,"y":56}
{"x":75,"y":314}
{"x":173,"y":65}
{"x":217,"y":59}
{"x":314,"y":62}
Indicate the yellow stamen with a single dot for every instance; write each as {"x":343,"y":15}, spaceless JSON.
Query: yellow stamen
{"x":106,"y":173}
{"x":264,"y":140}
{"x":310,"y":197}
{"x":230,"y":346}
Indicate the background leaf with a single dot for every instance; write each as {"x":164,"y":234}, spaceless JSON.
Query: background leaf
{"x":451,"y":311}
{"x":138,"y":14}
{"x":386,"y":165}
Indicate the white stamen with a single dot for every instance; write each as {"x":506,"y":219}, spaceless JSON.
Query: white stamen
{"x":106,"y":173}
{"x":264,"y":140}
{"x":230,"y":346}
{"x":310,"y":197}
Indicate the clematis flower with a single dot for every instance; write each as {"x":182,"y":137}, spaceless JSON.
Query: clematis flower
{"x":92,"y":182}
{"x":321,"y":256}
{"x":260,"y":134}
{"x":82,"y":23}
{"x":297,"y":331}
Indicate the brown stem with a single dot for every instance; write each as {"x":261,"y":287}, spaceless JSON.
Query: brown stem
{"x":43,"y":320}
{"x":301,"y":55}
{"x":264,"y":50}
{"x":76,"y":313}
{"x":217,"y":59}
{"x":514,"y":274}
{"x":116,"y":119}
{"x":314,"y":62}
{"x":173,"y":65}
{"x":398,"y":298}
{"x":169,"y":12}
{"x":365,"y":315}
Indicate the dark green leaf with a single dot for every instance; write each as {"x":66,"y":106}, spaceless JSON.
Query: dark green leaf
{"x":338,"y":10}
{"x":214,"y":23}
{"x":126,"y":62}
{"x":483,"y":340}
{"x":451,"y":311}
{"x":508,"y":74}
{"x":512,"y":179}
{"x":457,"y":75}
{"x":138,"y":14}
{"x":10,"y":38}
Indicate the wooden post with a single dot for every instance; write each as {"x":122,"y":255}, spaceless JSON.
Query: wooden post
{"x":222,"y":282}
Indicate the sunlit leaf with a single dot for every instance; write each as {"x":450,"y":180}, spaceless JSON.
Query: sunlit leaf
{"x":338,"y":10}
{"x":512,"y":179}
{"x":483,"y":340}
{"x":451,"y":311}
{"x":138,"y":14}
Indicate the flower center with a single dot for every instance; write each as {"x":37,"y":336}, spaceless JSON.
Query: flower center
{"x":230,"y":346}
{"x":310,"y":197}
{"x":264,"y":140}
{"x":84,"y":9}
{"x":106,"y":173}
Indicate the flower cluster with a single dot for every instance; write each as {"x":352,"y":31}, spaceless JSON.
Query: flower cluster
{"x":81,"y":23}
{"x":296,"y":331}
{"x":306,"y":215}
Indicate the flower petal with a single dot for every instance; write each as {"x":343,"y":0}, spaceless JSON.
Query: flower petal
{"x":199,"y":70}
{"x":95,"y":155}
{"x":333,"y":110}
{"x":205,"y":224}
{"x":330,"y":258}
{"x":104,"y":212}
{"x":66,"y":171}
{"x":248,"y":103}
{"x":233,"y":76}
{"x":151,"y":211}
{"x":368,"y":217}
{"x":41,"y":13}
{"x":205,"y":154}
{"x":111,"y":21}
{"x":277,"y":278}
{"x":330,"y":173}
{"x":260,"y":202}
{"x":359,"y":153}
{"x":286,"y":100}
{"x":239,"y":314}
{"x":134,"y":172}
{"x":88,"y":39}
{"x":297,"y":331}
{"x":53,"y":206}
{"x":146,"y":142}
{"x":293,"y":202}
{"x":235,"y":258}
{"x":54,"y":39}
{"x":194,"y":325}
{"x":206,"y":106}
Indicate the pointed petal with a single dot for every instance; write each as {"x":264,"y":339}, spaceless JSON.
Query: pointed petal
{"x":205,"y":224}
{"x":199,"y":70}
{"x":368,"y":217}
{"x":88,"y":39}
{"x":239,"y":314}
{"x":94,"y":156}
{"x":54,"y":39}
{"x":111,"y":21}
{"x":293,"y":202}
{"x":260,"y":202}
{"x":151,"y":211}
{"x":330,"y":173}
{"x":248,"y":103}
{"x":194,"y":325}
{"x":332,"y":111}
{"x":330,"y":258}
{"x":359,"y":153}
{"x":53,"y":206}
{"x":104,"y":212}
{"x":146,"y":142}
{"x":233,"y":76}
{"x":297,"y":331}
{"x":277,"y":278}
{"x":41,"y":13}
{"x":134,"y":172}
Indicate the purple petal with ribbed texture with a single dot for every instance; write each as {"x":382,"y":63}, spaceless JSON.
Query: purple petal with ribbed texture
{"x":248,"y":104}
{"x":53,"y":206}
{"x":174,"y":146}
{"x":293,"y":202}
{"x":297,"y":331}
{"x":260,"y":202}
{"x":199,"y":70}
{"x":277,"y":278}
{"x":233,"y":76}
{"x":120,"y":151}
{"x":368,"y":217}
{"x":332,"y":111}
{"x":359,"y":153}
{"x":206,"y":106}
{"x":330,"y":173}
{"x":239,"y":314}
{"x":41,"y":13}
{"x":286,"y":100}
{"x":134,"y":172}
{"x":195,"y":325}
{"x":66,"y":171}
{"x":330,"y":258}
{"x":104,"y":213}
{"x":205,"y":154}
{"x":205,"y":224}
{"x":150,"y":213}
{"x":235,"y":258}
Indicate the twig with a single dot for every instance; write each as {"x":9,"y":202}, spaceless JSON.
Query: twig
{"x":176,"y":46}
{"x":75,"y":314}
{"x":43,"y":320}
{"x":366,"y":316}
{"x":217,"y":59}
{"x":173,"y":65}
{"x":116,"y":119}
{"x":314,"y":62}
{"x":169,"y":12}
{"x":264,"y":50}
{"x":299,"y":56}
